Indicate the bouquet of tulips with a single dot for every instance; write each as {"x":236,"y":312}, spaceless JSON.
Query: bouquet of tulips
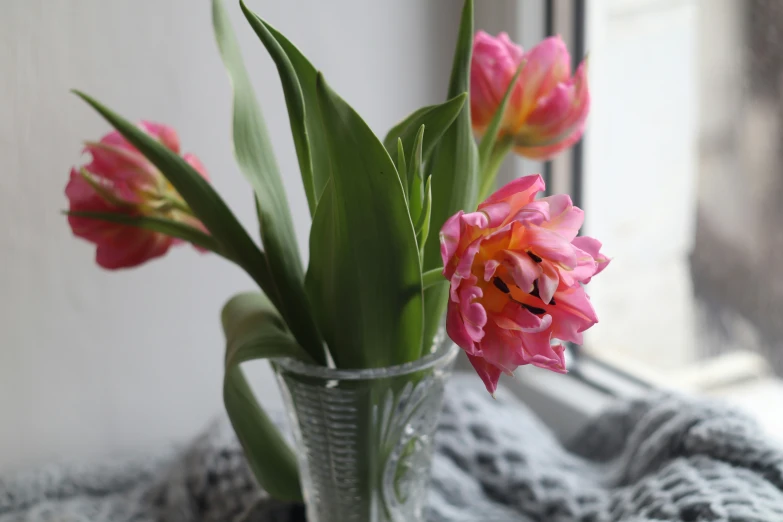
{"x":507,"y":273}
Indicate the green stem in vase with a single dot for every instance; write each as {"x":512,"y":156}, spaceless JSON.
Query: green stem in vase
{"x":495,"y":160}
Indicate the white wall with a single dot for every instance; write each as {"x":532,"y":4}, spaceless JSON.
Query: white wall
{"x":93,"y":362}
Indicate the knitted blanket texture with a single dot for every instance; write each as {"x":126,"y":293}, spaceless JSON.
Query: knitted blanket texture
{"x":653,"y":459}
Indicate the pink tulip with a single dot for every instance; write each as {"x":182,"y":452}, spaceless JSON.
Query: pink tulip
{"x":516,"y":269}
{"x":120,"y":180}
{"x":548,"y":107}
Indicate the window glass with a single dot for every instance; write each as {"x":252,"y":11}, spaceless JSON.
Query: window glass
{"x":683,"y":182}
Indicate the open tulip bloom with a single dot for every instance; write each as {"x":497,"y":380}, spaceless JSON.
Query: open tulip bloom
{"x":397,"y":238}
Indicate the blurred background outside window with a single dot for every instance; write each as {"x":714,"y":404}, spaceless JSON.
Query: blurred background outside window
{"x":683,"y":182}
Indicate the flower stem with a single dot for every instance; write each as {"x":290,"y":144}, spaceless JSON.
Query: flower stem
{"x":432,"y":277}
{"x":495,"y":160}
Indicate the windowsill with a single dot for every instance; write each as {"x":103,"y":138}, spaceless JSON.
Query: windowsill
{"x":566,"y":402}
{"x":562,"y":402}
{"x":758,"y":398}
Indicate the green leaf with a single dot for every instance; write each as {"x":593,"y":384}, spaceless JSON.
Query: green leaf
{"x":487,"y":146}
{"x":423,"y":226}
{"x":491,"y":134}
{"x":433,"y":277}
{"x":416,"y":176}
{"x":298,"y":77}
{"x":454,"y":171}
{"x":206,"y":204}
{"x":155,"y":224}
{"x":437,"y":118}
{"x":294,"y":101}
{"x":255,"y":157}
{"x":364,"y":276}
{"x":401,"y":165}
{"x":254,"y":330}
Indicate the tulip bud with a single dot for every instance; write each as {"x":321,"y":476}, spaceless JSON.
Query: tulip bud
{"x":548,"y":107}
{"x":120,"y":180}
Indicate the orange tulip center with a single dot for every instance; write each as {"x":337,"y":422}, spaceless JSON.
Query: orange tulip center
{"x":501,"y":289}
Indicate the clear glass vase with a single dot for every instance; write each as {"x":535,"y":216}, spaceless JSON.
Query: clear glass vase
{"x":364,"y":437}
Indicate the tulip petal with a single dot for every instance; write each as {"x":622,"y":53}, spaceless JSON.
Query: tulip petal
{"x":565,"y":218}
{"x":545,"y":355}
{"x":117,"y":162}
{"x":473,"y":315}
{"x":475,"y":219}
{"x":194,"y":162}
{"x":465,"y":265}
{"x":552,"y":112}
{"x":518,"y":318}
{"x":493,"y":65}
{"x":488,"y":373}
{"x":501,"y":348}
{"x":518,"y":190}
{"x":489,"y":268}
{"x":572,"y":315}
{"x":546,"y":65}
{"x":535,"y":213}
{"x":524,"y":271}
{"x":593,"y":247}
{"x":550,"y":245}
{"x":575,"y":299}
{"x":547,"y":283}
{"x":449,"y":241}
{"x":455,"y":327}
{"x":163,"y":133}
{"x":127,"y":247}
{"x":547,"y":152}
{"x":118,"y":246}
{"x":585,"y":269}
{"x":496,"y":213}
{"x":550,"y":129}
{"x":466,"y":318}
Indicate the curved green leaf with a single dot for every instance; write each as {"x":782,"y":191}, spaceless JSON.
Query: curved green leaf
{"x":293,"y":99}
{"x":164,"y":226}
{"x":454,"y":171}
{"x":298,"y":77}
{"x":415,"y":178}
{"x":423,"y":225}
{"x":364,"y":276}
{"x":205,"y":203}
{"x":437,"y":119}
{"x":402,"y":166}
{"x":433,"y":277}
{"x":255,"y":157}
{"x":491,"y":134}
{"x":488,"y":160}
{"x":254,"y":330}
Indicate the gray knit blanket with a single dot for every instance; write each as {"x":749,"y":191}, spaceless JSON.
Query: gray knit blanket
{"x":659,"y":458}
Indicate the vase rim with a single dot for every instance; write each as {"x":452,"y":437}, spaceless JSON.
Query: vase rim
{"x":441,"y":357}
